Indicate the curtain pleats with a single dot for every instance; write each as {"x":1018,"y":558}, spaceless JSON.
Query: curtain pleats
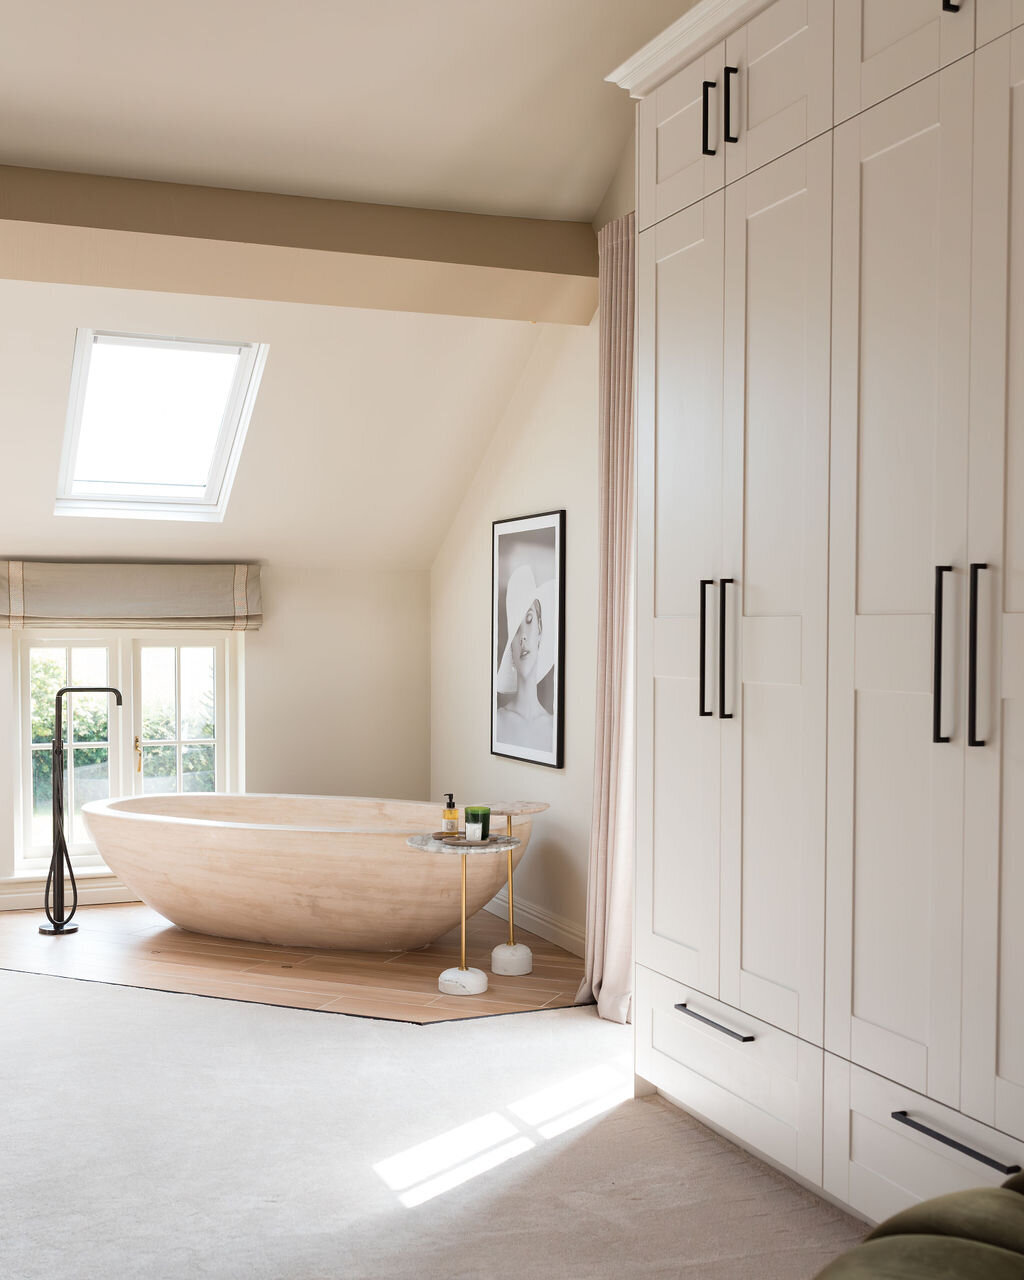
{"x":144,"y":597}
{"x":609,"y":954}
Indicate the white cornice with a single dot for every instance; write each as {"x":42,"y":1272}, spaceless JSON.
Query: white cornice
{"x":693,"y":34}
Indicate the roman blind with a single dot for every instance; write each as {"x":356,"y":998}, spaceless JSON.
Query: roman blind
{"x":205,"y":597}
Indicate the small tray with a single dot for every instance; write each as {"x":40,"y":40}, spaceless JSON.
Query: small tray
{"x":460,"y":842}
{"x":444,"y":835}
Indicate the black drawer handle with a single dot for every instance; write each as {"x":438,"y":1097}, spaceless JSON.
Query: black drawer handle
{"x":937,"y":735}
{"x":948,"y":6}
{"x":729,"y":73}
{"x":704,"y":584}
{"x":1005,"y":1169}
{"x":722,"y":713}
{"x":706,"y":147}
{"x":726,"y":1031}
{"x":972,"y":661}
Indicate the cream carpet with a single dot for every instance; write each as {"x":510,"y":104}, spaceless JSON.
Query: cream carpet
{"x":166,"y":1137}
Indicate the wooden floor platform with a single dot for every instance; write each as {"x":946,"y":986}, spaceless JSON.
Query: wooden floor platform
{"x":132,"y":946}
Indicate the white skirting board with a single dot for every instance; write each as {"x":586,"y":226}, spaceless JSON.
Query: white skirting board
{"x":545,"y":924}
{"x":27,"y":894}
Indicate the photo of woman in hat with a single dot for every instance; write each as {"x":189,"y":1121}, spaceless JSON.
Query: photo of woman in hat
{"x":526,"y":686}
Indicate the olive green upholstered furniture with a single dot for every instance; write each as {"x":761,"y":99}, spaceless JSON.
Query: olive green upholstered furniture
{"x":970,"y":1235}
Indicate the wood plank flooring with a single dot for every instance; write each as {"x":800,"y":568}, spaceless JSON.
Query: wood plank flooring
{"x":131,"y":945}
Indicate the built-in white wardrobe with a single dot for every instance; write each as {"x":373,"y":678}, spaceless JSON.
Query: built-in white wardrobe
{"x":830,"y":374}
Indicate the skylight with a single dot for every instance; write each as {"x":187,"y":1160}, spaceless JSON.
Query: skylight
{"x":155,"y":425}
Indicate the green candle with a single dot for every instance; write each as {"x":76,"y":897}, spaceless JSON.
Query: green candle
{"x":478,"y":822}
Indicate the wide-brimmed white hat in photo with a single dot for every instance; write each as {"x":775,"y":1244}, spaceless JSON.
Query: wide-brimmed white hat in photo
{"x":520,"y":594}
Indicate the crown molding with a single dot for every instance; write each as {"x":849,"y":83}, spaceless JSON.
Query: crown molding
{"x":693,"y":34}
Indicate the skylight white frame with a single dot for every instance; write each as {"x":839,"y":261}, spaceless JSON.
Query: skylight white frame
{"x":212,"y":505}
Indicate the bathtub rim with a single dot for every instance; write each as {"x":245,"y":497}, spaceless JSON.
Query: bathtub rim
{"x":109,"y":807}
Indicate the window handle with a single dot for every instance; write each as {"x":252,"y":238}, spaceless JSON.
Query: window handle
{"x":138,"y":753}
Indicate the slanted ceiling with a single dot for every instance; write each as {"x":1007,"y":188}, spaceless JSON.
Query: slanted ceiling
{"x":368,"y":426}
{"x":487,"y":106}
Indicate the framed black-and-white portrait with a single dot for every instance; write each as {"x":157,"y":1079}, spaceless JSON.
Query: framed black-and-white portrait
{"x":528,"y":638}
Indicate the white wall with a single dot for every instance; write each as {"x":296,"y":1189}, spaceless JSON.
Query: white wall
{"x":544,"y":456}
{"x":620,"y":198}
{"x":337,"y":684}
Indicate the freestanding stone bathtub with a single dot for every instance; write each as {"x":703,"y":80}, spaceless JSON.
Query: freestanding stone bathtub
{"x":309,"y":871}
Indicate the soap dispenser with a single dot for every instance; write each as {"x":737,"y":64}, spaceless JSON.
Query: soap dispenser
{"x":450,"y":817}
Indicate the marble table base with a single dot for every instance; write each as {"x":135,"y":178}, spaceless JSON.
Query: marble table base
{"x":512,"y":959}
{"x":462,"y":982}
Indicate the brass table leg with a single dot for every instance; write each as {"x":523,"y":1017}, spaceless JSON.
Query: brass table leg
{"x":462,"y":961}
{"x":462,"y":981}
{"x":512,"y":958}
{"x":511,"y":900}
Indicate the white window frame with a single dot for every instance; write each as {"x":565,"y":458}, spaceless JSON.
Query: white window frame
{"x":213,"y":503}
{"x":124,"y":673}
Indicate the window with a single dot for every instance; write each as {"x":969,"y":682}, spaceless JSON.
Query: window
{"x":178,"y":729}
{"x":155,"y":425}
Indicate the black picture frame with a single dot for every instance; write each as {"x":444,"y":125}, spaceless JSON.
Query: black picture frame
{"x":527,"y":642}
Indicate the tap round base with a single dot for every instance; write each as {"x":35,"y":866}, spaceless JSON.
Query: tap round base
{"x":57,"y":930}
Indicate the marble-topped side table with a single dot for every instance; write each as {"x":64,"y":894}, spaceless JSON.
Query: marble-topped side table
{"x":464,"y":981}
{"x":513,"y":958}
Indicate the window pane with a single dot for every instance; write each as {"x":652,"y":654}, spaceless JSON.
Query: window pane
{"x":152,"y":417}
{"x":198,"y":699}
{"x":197,"y":769}
{"x":159,"y":712}
{"x":89,"y":711}
{"x":92,"y":782}
{"x":48,"y":673}
{"x":159,"y":769}
{"x":42,"y":798}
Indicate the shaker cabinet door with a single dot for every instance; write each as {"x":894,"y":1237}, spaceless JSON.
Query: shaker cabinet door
{"x":996,"y":18}
{"x":780,"y":91}
{"x":900,"y":374}
{"x":882,"y":46}
{"x":775,"y":546}
{"x":993,"y":1060}
{"x":678,"y":123}
{"x":679,"y":462}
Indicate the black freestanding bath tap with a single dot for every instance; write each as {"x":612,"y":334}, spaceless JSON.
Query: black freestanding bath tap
{"x":59,"y":923}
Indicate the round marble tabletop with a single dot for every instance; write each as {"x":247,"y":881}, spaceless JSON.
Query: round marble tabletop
{"x":518,"y":808}
{"x":497,"y":844}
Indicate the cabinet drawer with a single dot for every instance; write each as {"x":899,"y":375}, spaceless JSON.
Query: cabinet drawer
{"x":766,"y":1091}
{"x":879,"y":1164}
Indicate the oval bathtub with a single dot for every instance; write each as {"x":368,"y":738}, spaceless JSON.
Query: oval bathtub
{"x":308,"y":871}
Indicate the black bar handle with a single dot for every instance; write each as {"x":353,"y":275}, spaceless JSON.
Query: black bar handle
{"x":729,"y":73}
{"x":937,"y":734}
{"x":972,"y":661}
{"x":726,"y":1031}
{"x":706,"y":147}
{"x":948,"y":6}
{"x":704,"y":584}
{"x":1006,"y":1169}
{"x":722,"y":713}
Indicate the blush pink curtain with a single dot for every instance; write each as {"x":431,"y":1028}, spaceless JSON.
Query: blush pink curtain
{"x":609,"y":956}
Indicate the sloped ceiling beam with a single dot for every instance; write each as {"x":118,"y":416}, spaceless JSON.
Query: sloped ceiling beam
{"x":125,"y":233}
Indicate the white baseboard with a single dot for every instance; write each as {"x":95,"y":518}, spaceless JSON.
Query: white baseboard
{"x":26,"y":893}
{"x":545,"y":924}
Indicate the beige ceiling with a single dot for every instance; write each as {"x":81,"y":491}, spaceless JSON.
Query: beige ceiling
{"x":368,"y":426}
{"x":491,"y":106}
